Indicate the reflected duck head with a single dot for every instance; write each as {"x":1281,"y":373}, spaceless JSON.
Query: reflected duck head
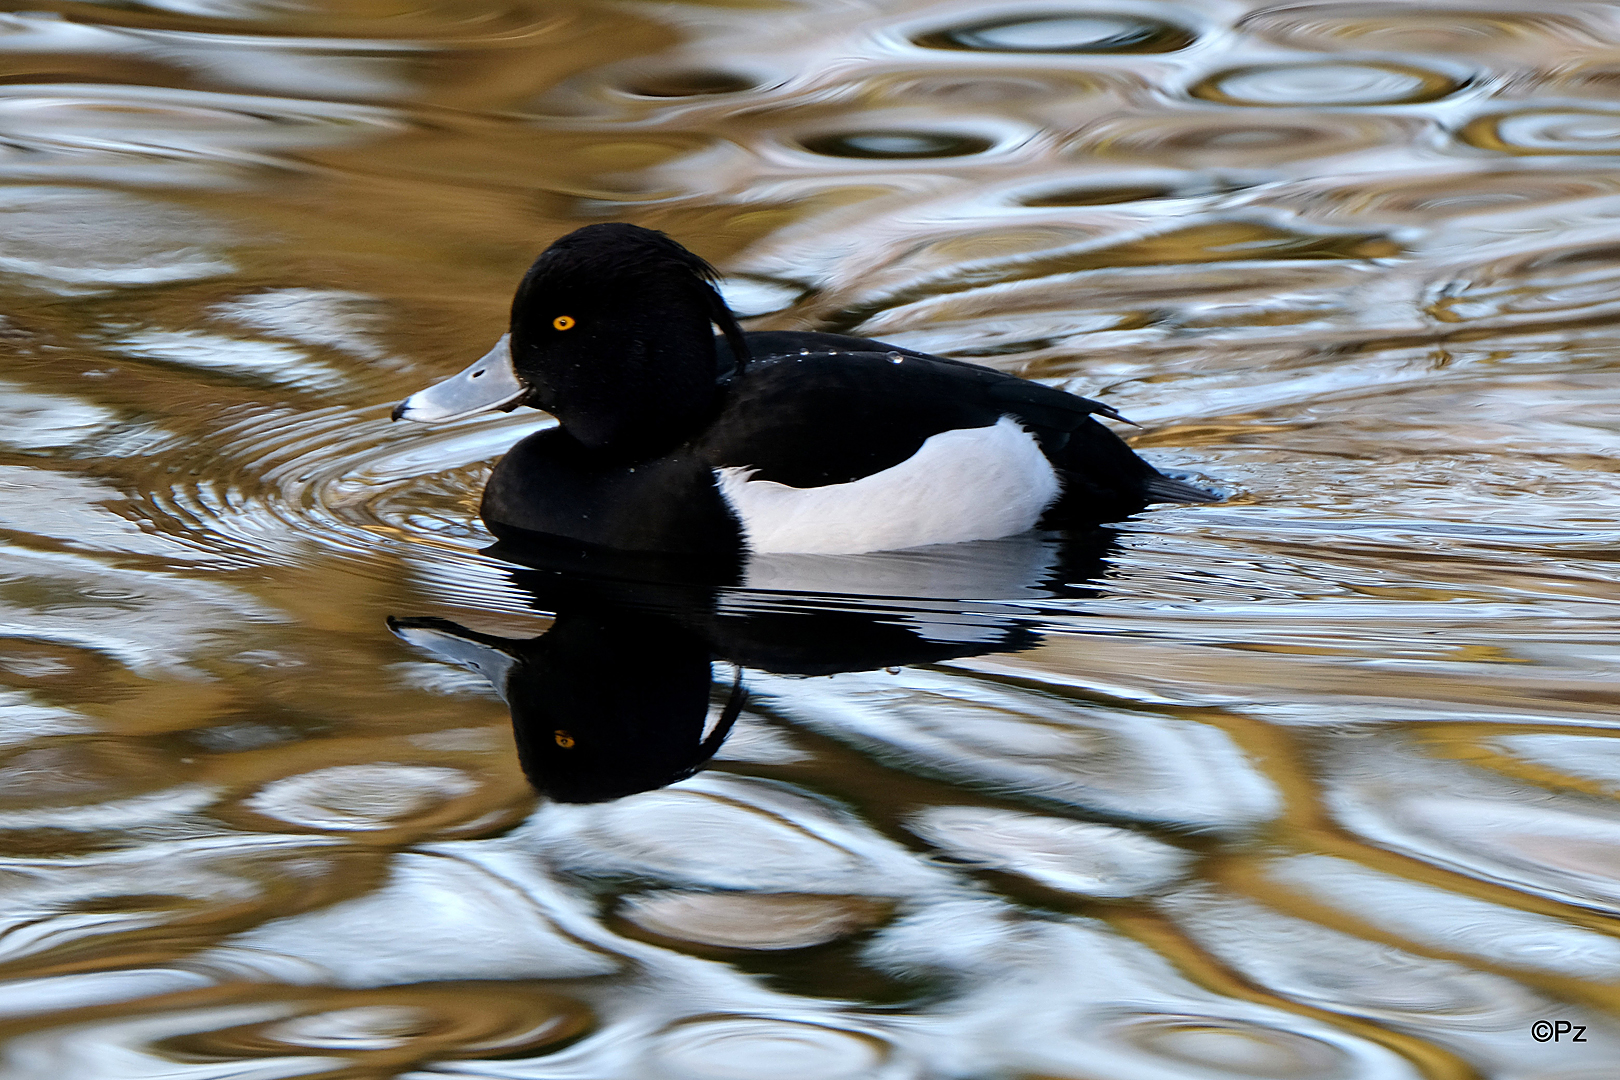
{"x":612,"y":332}
{"x":585,"y":730}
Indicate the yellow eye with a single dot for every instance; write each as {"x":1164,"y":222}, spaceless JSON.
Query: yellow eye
{"x":563,"y":322}
{"x":562,"y":738}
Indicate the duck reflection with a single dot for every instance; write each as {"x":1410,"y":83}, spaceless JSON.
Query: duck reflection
{"x":615,"y":697}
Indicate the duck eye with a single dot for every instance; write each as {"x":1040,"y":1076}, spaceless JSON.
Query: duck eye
{"x":563,"y":322}
{"x":562,"y":738}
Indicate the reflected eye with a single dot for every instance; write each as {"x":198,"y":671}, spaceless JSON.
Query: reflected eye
{"x":562,"y":738}
{"x":563,"y":322}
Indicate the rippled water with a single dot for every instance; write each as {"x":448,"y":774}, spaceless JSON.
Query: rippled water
{"x":1318,"y":782}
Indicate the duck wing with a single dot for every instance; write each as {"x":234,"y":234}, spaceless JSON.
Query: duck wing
{"x":820,"y":415}
{"x":817,"y":409}
{"x":1059,"y":407}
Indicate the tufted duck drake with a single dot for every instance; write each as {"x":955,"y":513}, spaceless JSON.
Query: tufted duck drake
{"x":677,"y":440}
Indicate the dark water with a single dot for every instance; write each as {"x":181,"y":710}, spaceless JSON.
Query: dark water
{"x":1319,"y":782}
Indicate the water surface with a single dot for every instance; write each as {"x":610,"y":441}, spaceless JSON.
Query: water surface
{"x":1319,"y":782}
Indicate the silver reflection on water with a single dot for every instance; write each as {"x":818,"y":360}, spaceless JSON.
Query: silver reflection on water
{"x":1316,"y":783}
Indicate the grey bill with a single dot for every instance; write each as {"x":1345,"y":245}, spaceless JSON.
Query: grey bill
{"x":489,"y":383}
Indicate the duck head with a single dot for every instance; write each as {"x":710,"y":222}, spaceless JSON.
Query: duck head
{"x":612,"y":332}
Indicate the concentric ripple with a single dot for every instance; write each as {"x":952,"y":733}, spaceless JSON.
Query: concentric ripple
{"x":72,"y":912}
{"x":339,"y":479}
{"x":763,"y":921}
{"x":896,"y":144}
{"x":72,"y":239}
{"x":1547,"y":131}
{"x":1223,"y":140}
{"x":387,"y":1031}
{"x":362,"y":798}
{"x":1099,"y":32}
{"x":1325,"y":84}
{"x":144,"y":120}
{"x":1230,"y":1047}
{"x":746,"y":1047}
{"x":1428,"y":28}
{"x":447,"y":21}
{"x":1071,"y":856}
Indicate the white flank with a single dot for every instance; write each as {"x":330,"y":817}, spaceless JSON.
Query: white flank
{"x":968,"y":484}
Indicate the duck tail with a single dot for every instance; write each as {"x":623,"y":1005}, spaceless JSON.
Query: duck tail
{"x":1168,"y":489}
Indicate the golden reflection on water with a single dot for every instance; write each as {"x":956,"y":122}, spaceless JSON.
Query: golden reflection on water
{"x":1319,"y":782}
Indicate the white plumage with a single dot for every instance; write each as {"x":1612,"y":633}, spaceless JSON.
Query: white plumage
{"x":966,"y":484}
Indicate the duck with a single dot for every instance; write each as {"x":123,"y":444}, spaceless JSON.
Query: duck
{"x":680,"y":434}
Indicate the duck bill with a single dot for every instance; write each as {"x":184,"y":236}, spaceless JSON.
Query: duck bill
{"x":458,"y":645}
{"x":487,"y":384}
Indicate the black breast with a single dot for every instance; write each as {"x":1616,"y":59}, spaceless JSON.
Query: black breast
{"x":551,"y":486}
